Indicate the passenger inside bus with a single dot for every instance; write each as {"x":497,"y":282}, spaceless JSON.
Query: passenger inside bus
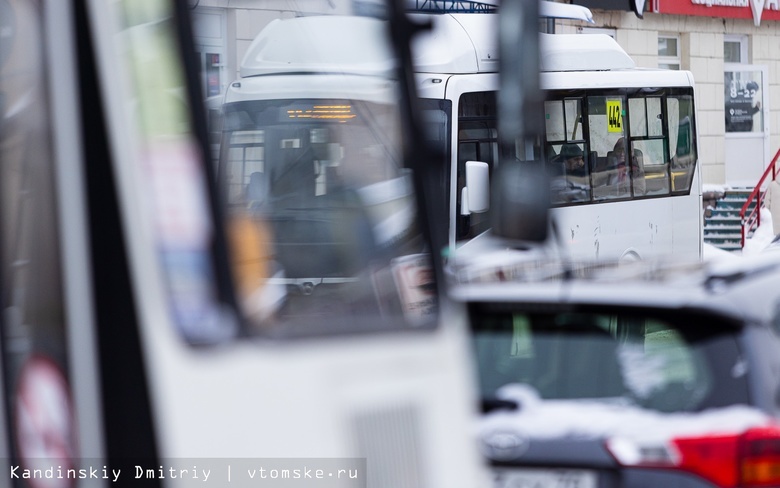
{"x":573,"y":160}
{"x":570,"y":177}
{"x":637,"y":173}
{"x":617,"y":178}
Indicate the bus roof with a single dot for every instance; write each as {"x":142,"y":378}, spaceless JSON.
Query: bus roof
{"x":457,"y":44}
{"x":634,"y":78}
{"x":319,"y":44}
{"x":577,"y":52}
{"x":467,"y":43}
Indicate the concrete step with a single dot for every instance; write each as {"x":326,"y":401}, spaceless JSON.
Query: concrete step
{"x":723,"y":241}
{"x":723,"y":219}
{"x":734,"y":203}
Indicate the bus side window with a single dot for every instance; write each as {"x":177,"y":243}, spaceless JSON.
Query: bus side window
{"x":650,"y":155}
{"x":682,"y":145}
{"x":638,"y":173}
{"x":569,"y":174}
{"x":568,"y":157}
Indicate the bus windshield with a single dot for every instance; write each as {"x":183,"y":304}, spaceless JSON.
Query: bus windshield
{"x":320,"y":185}
{"x":295,"y":153}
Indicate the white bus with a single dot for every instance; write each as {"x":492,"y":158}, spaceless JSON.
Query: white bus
{"x":143,"y":339}
{"x":598,"y":104}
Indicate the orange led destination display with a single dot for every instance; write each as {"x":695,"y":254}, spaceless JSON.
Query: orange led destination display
{"x":335,"y":112}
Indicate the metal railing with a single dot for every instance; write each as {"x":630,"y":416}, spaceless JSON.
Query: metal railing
{"x":751,"y":221}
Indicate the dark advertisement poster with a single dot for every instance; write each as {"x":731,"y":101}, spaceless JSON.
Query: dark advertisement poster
{"x":742,"y":101}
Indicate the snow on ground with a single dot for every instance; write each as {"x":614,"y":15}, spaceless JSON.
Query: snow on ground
{"x":756,"y":244}
{"x":706,"y":187}
{"x":712,"y":253}
{"x":762,"y":236}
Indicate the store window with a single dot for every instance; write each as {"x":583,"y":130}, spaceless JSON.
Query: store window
{"x":743,"y":86}
{"x":668,"y":51}
{"x":735,"y":49}
{"x":743,"y":99}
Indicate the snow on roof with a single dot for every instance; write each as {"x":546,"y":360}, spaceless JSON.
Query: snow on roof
{"x":549,"y":419}
{"x":320,"y":44}
{"x":557,"y":10}
{"x":458,"y":43}
{"x":578,"y":52}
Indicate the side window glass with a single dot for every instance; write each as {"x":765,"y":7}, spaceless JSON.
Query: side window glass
{"x":654,"y":117}
{"x":477,"y":141}
{"x":554,"y":121}
{"x":649,"y":167}
{"x":649,"y":171}
{"x":567,"y":155}
{"x":637,"y":109}
{"x":573,"y":119}
{"x":437,"y":126}
{"x":569,"y":174}
{"x":682,"y":146}
{"x":611,"y":178}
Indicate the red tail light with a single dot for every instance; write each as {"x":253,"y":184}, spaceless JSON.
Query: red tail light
{"x":712,"y":457}
{"x":760,"y":457}
{"x":750,"y":459}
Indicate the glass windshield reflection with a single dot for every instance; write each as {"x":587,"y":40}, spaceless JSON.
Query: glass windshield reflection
{"x":321,"y":211}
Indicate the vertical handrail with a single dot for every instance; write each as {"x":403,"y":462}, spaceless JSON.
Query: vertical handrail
{"x":753,"y":219}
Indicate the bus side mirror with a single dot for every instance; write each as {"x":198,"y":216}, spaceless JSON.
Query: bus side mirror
{"x":521,"y":202}
{"x":475,"y":196}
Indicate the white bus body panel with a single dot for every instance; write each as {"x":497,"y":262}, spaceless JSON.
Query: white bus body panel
{"x":636,"y":228}
{"x":305,"y":398}
{"x":457,"y":43}
{"x":639,"y":78}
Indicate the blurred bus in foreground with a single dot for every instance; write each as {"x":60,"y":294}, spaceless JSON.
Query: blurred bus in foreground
{"x":159,"y":332}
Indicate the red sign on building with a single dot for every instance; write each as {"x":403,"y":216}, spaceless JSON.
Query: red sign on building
{"x":757,"y":10}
